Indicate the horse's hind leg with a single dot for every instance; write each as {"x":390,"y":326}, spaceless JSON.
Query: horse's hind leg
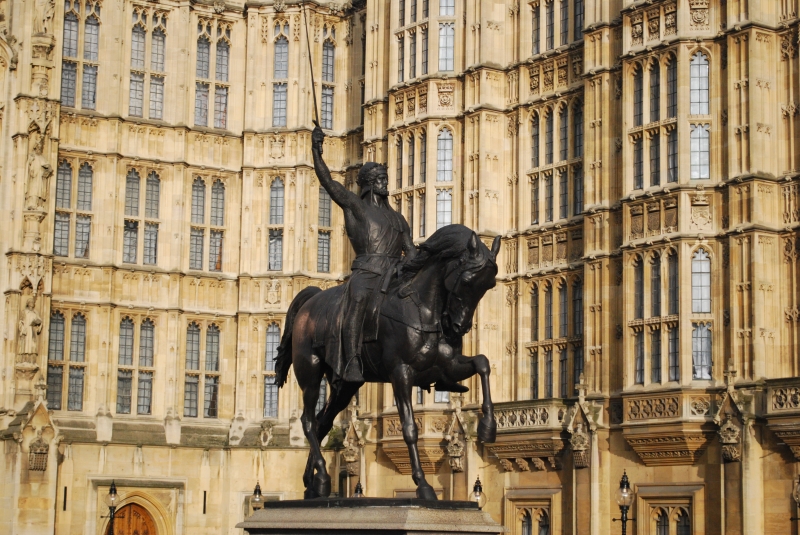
{"x":402,"y":380}
{"x":463,"y":367}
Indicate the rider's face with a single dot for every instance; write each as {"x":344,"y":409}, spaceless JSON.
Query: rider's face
{"x":381,"y":184}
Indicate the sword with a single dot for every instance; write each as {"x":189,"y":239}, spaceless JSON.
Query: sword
{"x":311,"y":67}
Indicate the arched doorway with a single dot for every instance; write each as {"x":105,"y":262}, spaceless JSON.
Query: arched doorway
{"x":133,"y":519}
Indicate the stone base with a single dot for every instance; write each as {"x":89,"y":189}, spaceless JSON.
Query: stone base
{"x":370,"y":516}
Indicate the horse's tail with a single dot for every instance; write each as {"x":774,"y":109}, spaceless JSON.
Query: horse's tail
{"x":284,"y":359}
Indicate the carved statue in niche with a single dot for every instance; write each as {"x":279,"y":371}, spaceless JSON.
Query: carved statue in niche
{"x":39,"y":173}
{"x":455,"y":452}
{"x":30,"y":327}
{"x":580,"y":445}
{"x":43,"y":17}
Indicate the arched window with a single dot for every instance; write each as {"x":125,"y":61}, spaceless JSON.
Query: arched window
{"x":638,"y":96}
{"x":444,"y":208}
{"x":70,"y":48}
{"x":328,"y":56}
{"x":446,"y":47}
{"x":535,"y":314}
{"x":270,"y":388}
{"x":548,"y":313}
{"x":563,"y":311}
{"x":152,"y":196}
{"x":276,"y":202}
{"x":527,"y":524}
{"x":132,"y":193}
{"x":64,"y":186}
{"x":126,"y":342}
{"x":138,"y":45}
{"x":662,"y":523}
{"x":203,"y":57}
{"x":701,"y":282}
{"x":158,"y":47}
{"x":577,"y":130}
{"x":444,"y":156}
{"x":85,"y":176}
{"x":536,"y":30}
{"x":69,"y":69}
{"x":655,"y":286}
{"x":684,"y":526}
{"x":535,"y":148}
{"x":218,"y":204}
{"x":281,"y":58}
{"x":193,"y":347}
{"x":147,"y":335}
{"x":198,"y":201}
{"x":701,"y":351}
{"x":91,"y":41}
{"x":672,"y":87}
{"x":563,"y":138}
{"x":577,"y":308}
{"x":223,"y":54}
{"x":548,"y":138}
{"x":399,"y":171}
{"x":698,"y":95}
{"x":638,"y":289}
{"x":655,"y":91}
{"x":700,"y":154}
{"x":544,"y":524}
{"x":55,"y":354}
{"x":77,"y":346}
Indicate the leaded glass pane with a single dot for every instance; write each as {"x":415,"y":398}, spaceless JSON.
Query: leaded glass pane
{"x":55,"y":385}
{"x":446,"y":47}
{"x":203,"y":58}
{"x":147,"y":334}
{"x":130,"y":241}
{"x":124,"y":388}
{"x":655,"y":91}
{"x":136,"y":102}
{"x":577,"y":190}
{"x":70,"y":47}
{"x":563,"y":194}
{"x":85,"y":177}
{"x":55,"y":347}
{"x":655,"y":160}
{"x":144,"y":395}
{"x":151,"y":243}
{"x":698,"y":88}
{"x":196,"y":248}
{"x":655,"y":356}
{"x":91,"y":39}
{"x":323,"y":252}
{"x":535,"y":314}
{"x":447,"y":8}
{"x":220,"y":107}
{"x":270,"y":397}
{"x":279,"y":104}
{"x":276,"y":202}
{"x":327,"y":107}
{"x":212,"y":349}
{"x":444,"y":156}
{"x":132,"y":193}
{"x":700,"y":154}
{"x":75,"y":392}
{"x":548,"y":139}
{"x":223,"y":53}
{"x":156,"y":97}
{"x":137,"y":47}
{"x":275,"y":249}
{"x":563,"y":143}
{"x":77,"y":346}
{"x":638,"y":98}
{"x":281,"y":58}
{"x":211,"y":397}
{"x":701,"y":282}
{"x":638,"y":290}
{"x":215,"y":251}
{"x":64,"y":186}
{"x":158,"y":47}
{"x":444,"y":208}
{"x":152,"y":195}
{"x":69,"y":78}
{"x":548,"y":373}
{"x":198,"y":201}
{"x":83,"y":228}
{"x":638,"y":348}
{"x":89,"y":88}
{"x":548,"y":313}
{"x":190,"y":392}
{"x":218,"y":204}
{"x":201,"y":104}
{"x":193,"y":347}
{"x":324,"y":219}
{"x":327,"y":61}
{"x":273,"y":341}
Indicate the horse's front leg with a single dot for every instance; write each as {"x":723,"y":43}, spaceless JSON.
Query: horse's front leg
{"x":462,"y":367}
{"x":402,"y":381}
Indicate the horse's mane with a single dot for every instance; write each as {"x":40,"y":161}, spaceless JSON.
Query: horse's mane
{"x":447,"y":243}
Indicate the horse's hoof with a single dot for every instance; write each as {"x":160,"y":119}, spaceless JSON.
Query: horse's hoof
{"x":322,"y":485}
{"x":426,"y":492}
{"x":487,"y":430}
{"x":309,"y":495}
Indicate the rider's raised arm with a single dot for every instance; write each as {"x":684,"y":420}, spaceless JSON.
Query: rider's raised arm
{"x":339,"y":194}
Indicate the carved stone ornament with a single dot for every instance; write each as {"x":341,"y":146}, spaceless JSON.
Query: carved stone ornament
{"x":637,"y":29}
{"x":455,"y":452}
{"x":580,"y":445}
{"x":729,"y":435}
{"x":37,"y":456}
{"x":445,"y":90}
{"x":670,"y":19}
{"x":701,"y":210}
{"x":698,"y":14}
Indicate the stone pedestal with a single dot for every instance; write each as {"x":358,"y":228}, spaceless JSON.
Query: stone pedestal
{"x":370,"y":516}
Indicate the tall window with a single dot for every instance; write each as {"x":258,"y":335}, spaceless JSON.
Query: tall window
{"x":280,"y":74}
{"x":577,"y":130}
{"x":684,"y":526}
{"x":655,"y":356}
{"x":577,"y":190}
{"x":563,"y":194}
{"x":133,"y":221}
{"x":424,"y":50}
{"x":577,"y":18}
{"x":638,"y":349}
{"x":655,"y":287}
{"x":700,"y":157}
{"x":270,"y":388}
{"x":324,"y":251}
{"x":327,"y":107}
{"x":577,"y":366}
{"x":673,"y":290}
{"x":673,"y":350}
{"x":412,"y":56}
{"x":535,"y":142}
{"x":138,"y":36}
{"x":535,"y":201}
{"x":444,"y":207}
{"x":202,"y":367}
{"x":157,"y":55}
{"x":662,"y":523}
{"x":536,"y":30}
{"x":73,"y":368}
{"x":701,"y":282}
{"x":535,"y":314}
{"x":199,"y":226}
{"x":638,"y":289}
{"x":548,"y":198}
{"x":444,"y":156}
{"x":548,"y":373}
{"x":71,"y":206}
{"x":564,"y":26}
{"x":328,"y":56}
{"x":410,"y":211}
{"x":221,"y":82}
{"x":275,"y":251}
{"x":563,"y":139}
{"x":638,"y":164}
{"x":411,"y":153}
{"x":402,"y":13}
{"x":655,"y":91}
{"x":535,"y":376}
{"x":399,"y":168}
{"x":401,"y":59}
{"x":563,"y":373}
{"x":85,"y":64}
{"x":548,"y":313}
{"x":413,"y":11}
{"x":701,"y":351}
{"x":548,"y":138}
{"x":655,"y":159}
{"x":202,"y":73}
{"x":422,"y":214}
{"x":698,"y":88}
{"x":447,"y":8}
{"x":141,"y":72}
{"x":672,"y":88}
{"x":563,"y":312}
{"x":135,"y":375}
{"x":638,"y":98}
{"x":549,"y":22}
{"x":446,"y":46}
{"x":131,"y":227}
{"x":577,"y":308}
{"x":423,"y":157}
{"x":672,"y":156}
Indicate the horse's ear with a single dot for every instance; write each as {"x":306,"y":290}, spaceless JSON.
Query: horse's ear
{"x":495,"y":247}
{"x":473,"y":243}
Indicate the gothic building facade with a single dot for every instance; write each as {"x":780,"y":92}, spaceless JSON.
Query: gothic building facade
{"x":160,"y":210}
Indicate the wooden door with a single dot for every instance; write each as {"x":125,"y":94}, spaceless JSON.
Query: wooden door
{"x":133,"y":519}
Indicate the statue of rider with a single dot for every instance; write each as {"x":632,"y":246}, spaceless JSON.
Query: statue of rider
{"x":380,"y":236}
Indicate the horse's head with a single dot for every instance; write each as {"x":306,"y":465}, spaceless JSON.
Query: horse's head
{"x":467,"y":279}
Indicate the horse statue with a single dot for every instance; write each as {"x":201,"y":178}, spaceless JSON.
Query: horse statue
{"x":421,"y":320}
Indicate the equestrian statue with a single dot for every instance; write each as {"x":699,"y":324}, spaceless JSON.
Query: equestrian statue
{"x":399,"y":318}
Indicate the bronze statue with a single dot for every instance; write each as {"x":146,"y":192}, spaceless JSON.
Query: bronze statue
{"x":399,"y":321}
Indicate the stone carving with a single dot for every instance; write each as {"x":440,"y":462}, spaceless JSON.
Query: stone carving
{"x":539,"y":463}
{"x":786,"y":398}
{"x":649,"y":408}
{"x":698,"y":14}
{"x":445,"y":90}
{"x":398,"y":106}
{"x":39,"y":173}
{"x":548,"y":77}
{"x":43,"y":16}
{"x":653,"y":23}
{"x":423,"y":100}
{"x":523,"y":464}
{"x":657,"y":449}
{"x":30,"y":327}
{"x":637,"y":29}
{"x":788,"y":49}
{"x":506,"y":465}
{"x":533,"y":73}
{"x":547,"y":250}
{"x":653,"y":218}
{"x":700,"y":406}
{"x":580,"y":445}
{"x":533,"y":252}
{"x":637,"y":222}
{"x":562,"y":72}
{"x":670,"y":19}
{"x":701,"y":209}
{"x":729,"y":435}
{"x":38,"y":450}
{"x":516,"y":418}
{"x":455,"y":452}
